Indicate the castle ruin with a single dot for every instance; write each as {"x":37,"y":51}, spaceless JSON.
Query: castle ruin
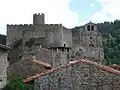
{"x":28,"y":40}
{"x":65,"y":51}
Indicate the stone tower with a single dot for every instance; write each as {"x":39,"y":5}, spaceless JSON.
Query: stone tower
{"x":90,"y":43}
{"x":60,"y":56}
{"x":38,"y":19}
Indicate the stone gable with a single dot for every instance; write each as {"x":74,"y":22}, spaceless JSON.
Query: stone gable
{"x":80,"y":75}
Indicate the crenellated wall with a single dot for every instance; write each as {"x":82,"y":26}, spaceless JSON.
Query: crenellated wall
{"x":38,"y":18}
{"x":51,"y":34}
{"x":15,"y":32}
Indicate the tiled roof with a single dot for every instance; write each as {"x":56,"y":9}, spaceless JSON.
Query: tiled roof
{"x":115,"y":66}
{"x":106,"y":68}
{"x":40,"y":63}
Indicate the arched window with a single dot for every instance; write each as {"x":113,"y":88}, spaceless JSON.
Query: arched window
{"x":88,"y":27}
{"x":92,"y":28}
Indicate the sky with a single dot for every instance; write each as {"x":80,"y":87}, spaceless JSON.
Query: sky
{"x":69,"y":13}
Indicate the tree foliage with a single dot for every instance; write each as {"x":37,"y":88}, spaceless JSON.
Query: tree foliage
{"x":111,"y":41}
{"x":18,"y":84}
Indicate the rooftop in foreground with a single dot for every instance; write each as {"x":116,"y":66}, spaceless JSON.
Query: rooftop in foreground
{"x":106,"y":68}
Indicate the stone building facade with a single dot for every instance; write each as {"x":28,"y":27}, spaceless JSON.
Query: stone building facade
{"x":3,"y":65}
{"x":53,"y":34}
{"x":80,"y":75}
{"x":84,"y":41}
{"x":37,"y":34}
{"x":87,"y":41}
{"x":25,"y":68}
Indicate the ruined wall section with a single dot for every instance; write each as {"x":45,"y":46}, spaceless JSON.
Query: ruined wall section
{"x":81,"y":76}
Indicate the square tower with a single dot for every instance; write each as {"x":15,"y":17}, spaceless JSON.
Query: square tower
{"x":38,"y":19}
{"x":90,"y":43}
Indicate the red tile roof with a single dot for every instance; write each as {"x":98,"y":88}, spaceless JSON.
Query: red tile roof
{"x":115,"y":66}
{"x":40,"y":63}
{"x":106,"y":68}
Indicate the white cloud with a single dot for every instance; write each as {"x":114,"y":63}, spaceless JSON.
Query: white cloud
{"x":21,"y":11}
{"x":109,"y":12}
{"x":92,"y":5}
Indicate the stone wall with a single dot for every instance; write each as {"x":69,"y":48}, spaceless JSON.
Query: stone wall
{"x":55,"y":56}
{"x":89,"y":40}
{"x":24,"y":68}
{"x":80,"y":76}
{"x":60,"y":56}
{"x":14,"y":32}
{"x":52,"y":35}
{"x":15,"y":52}
{"x":3,"y":67}
{"x":67,"y":37}
{"x":41,"y":54}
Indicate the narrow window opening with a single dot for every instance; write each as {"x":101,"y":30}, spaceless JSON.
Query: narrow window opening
{"x":92,"y":28}
{"x":0,"y":80}
{"x":90,"y":37}
{"x":64,"y":45}
{"x":88,"y":27}
{"x":91,"y":45}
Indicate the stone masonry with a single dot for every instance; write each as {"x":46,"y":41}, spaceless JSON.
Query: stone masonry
{"x":85,"y":41}
{"x":80,"y":75}
{"x":3,"y":65}
{"x":37,"y":34}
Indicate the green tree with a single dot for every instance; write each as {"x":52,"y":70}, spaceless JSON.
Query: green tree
{"x":18,"y":84}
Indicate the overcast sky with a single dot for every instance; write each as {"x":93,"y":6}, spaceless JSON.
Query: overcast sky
{"x":70,"y":13}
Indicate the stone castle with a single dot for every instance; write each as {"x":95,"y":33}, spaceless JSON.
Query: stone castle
{"x":42,"y":41}
{"x":57,"y":58}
